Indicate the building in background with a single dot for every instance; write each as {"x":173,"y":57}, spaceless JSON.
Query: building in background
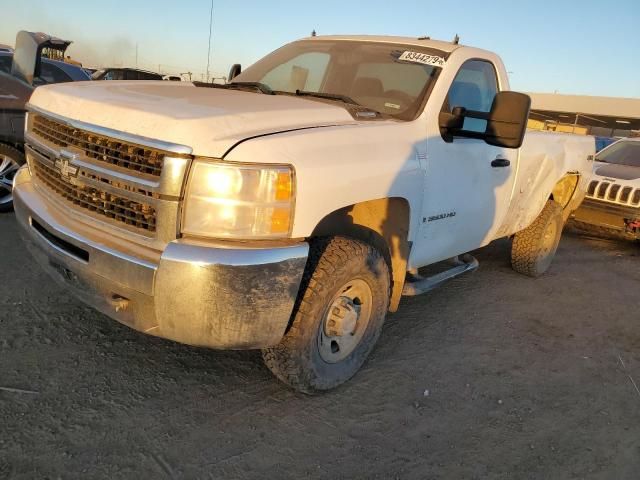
{"x":606,"y":117}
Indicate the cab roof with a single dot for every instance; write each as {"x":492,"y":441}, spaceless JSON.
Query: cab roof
{"x":447,"y":47}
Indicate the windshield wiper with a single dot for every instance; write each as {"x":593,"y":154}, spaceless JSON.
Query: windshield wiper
{"x":328,"y":96}
{"x":263,"y":88}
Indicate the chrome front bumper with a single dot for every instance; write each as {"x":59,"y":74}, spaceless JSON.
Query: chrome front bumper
{"x":200,"y":294}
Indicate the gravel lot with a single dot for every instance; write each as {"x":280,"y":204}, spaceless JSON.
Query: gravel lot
{"x":494,"y":376}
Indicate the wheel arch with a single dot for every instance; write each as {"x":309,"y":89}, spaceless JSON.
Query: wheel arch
{"x":565,"y":192}
{"x":384,"y":224}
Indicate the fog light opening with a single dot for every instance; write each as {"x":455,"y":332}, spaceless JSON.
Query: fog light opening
{"x":118,"y":302}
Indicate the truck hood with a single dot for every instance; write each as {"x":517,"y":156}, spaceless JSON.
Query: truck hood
{"x":209,"y":120}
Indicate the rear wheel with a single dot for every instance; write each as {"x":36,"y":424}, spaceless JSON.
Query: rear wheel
{"x":10,"y":161}
{"x":339,"y":317}
{"x":533,"y":248}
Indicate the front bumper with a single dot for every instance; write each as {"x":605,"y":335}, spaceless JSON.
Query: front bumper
{"x":607,"y":215}
{"x":195,"y":293}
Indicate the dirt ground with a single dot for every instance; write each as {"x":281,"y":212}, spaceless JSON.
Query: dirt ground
{"x":494,"y":376}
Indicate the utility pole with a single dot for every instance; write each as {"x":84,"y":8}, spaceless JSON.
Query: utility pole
{"x":209,"y":50}
{"x":136,"y":54}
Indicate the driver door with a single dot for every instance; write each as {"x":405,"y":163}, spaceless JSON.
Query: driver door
{"x":465,"y":198}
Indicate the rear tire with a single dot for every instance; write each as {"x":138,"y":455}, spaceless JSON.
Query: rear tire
{"x":533,"y":248}
{"x":11,"y":159}
{"x":329,"y":337}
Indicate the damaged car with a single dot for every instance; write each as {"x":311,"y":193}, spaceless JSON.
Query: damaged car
{"x":21,"y":71}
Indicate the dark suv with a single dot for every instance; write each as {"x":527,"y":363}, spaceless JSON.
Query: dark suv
{"x":20,"y":73}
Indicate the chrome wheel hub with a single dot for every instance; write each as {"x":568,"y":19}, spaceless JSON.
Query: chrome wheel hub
{"x":346,"y":321}
{"x":342,"y":318}
{"x":8,"y":169}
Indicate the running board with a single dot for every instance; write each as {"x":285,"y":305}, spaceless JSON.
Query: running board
{"x":418,"y":285}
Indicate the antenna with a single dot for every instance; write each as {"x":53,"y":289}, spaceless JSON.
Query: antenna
{"x":209,"y":51}
{"x":456,"y":39}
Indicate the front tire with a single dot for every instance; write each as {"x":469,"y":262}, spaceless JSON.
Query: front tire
{"x":533,"y":248}
{"x":10,"y":161}
{"x":342,"y":306}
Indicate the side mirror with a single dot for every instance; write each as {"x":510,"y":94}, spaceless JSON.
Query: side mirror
{"x":506,"y":122}
{"x":236,"y":69}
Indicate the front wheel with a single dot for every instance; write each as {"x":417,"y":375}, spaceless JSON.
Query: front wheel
{"x":339,"y":317}
{"x":10,"y":161}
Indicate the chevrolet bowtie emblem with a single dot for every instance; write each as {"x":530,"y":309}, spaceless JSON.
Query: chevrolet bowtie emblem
{"x":63,"y":164}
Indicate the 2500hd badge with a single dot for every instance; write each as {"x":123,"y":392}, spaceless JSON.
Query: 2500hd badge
{"x":433,"y":218}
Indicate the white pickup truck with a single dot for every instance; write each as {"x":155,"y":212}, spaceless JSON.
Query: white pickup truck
{"x":292,"y":208}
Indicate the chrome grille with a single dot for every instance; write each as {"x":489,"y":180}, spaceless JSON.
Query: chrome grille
{"x":614,"y":193}
{"x":102,"y":149}
{"x":135,"y":214}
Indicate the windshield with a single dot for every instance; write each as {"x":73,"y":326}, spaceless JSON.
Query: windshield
{"x":621,"y":153}
{"x":391,"y":79}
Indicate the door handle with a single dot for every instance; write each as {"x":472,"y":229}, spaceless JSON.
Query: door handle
{"x":500,"y":162}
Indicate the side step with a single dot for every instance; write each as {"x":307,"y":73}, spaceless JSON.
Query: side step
{"x":417,"y":284}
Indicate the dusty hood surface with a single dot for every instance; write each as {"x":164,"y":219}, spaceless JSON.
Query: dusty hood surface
{"x":209,"y":120}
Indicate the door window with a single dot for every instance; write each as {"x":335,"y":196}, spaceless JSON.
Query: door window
{"x":474,"y":88}
{"x":149,"y":76}
{"x":5,"y":63}
{"x":50,"y":73}
{"x":113,"y":75}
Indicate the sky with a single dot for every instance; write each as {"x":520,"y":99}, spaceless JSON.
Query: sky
{"x":583,"y":47}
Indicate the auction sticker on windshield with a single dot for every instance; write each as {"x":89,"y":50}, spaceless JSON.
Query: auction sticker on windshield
{"x":424,"y":58}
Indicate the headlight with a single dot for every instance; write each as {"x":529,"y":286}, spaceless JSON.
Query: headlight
{"x":234,"y":200}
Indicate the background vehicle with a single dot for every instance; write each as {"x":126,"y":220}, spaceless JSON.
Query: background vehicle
{"x":291,"y":209}
{"x":612,"y":204}
{"x":52,"y":71}
{"x":20,"y":73}
{"x":125,"y":74}
{"x":603,"y":142}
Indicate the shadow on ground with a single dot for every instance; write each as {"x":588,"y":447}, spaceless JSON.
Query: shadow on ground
{"x":495,"y":375}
